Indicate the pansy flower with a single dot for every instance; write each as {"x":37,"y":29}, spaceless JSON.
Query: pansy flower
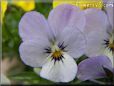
{"x":100,"y":32}
{"x":95,"y":68}
{"x":109,"y":9}
{"x":100,"y":42}
{"x":53,"y":43}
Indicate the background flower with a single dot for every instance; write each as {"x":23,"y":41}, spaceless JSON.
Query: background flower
{"x":26,"y":5}
{"x":3,"y":9}
{"x":102,"y":43}
{"x":110,"y":29}
{"x":83,"y":4}
{"x":96,"y":31}
{"x":93,"y":68}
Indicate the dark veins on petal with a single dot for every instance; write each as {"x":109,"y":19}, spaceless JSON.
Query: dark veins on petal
{"x":109,"y":43}
{"x":62,"y":46}
{"x":57,"y":54}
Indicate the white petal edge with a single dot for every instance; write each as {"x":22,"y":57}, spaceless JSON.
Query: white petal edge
{"x":108,"y":53}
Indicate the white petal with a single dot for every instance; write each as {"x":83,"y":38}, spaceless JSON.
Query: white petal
{"x":108,"y":53}
{"x":32,"y":52}
{"x":96,"y":31}
{"x":33,"y":25}
{"x":60,"y":72}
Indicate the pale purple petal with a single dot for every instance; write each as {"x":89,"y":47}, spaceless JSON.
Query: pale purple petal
{"x":74,"y":41}
{"x":95,"y":31}
{"x":92,"y":68}
{"x":32,"y":52}
{"x":110,"y":12}
{"x":105,"y":1}
{"x":33,"y":25}
{"x":65,"y":15}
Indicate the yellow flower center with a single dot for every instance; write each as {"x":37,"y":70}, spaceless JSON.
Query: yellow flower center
{"x":111,"y":44}
{"x":57,"y":54}
{"x":56,"y":51}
